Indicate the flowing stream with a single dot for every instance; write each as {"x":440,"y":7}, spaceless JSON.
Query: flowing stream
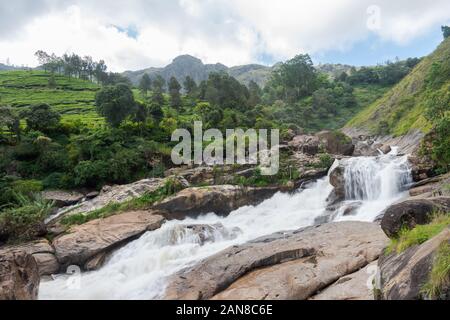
{"x":139,"y":269}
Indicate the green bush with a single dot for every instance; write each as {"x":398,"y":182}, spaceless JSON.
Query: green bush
{"x":26,"y":221}
{"x":26,"y":187}
{"x":439,"y":279}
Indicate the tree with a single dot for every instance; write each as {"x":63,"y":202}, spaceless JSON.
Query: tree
{"x":41,"y":118}
{"x":224,"y":91}
{"x":145,"y":84}
{"x":255,"y":93}
{"x":115,"y":103}
{"x":445,"y":31}
{"x":9,"y":121}
{"x":174,"y":92}
{"x":190,"y":86}
{"x":156,"y":112}
{"x":298,"y":76}
{"x":158,"y":90}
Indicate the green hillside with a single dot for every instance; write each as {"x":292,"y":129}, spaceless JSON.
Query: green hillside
{"x":404,"y":107}
{"x":73,"y":98}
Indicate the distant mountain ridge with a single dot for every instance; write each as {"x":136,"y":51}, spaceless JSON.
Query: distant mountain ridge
{"x":187,"y":65}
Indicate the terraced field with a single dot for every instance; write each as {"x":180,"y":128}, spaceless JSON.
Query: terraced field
{"x":72,"y":98}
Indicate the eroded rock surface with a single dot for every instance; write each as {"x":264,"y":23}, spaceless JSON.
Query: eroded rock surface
{"x":290,"y":265}
{"x":221,"y":200}
{"x":19,"y":276}
{"x":87,"y":241}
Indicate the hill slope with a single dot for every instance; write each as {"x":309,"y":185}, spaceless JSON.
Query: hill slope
{"x":73,"y":98}
{"x":403,"y":107}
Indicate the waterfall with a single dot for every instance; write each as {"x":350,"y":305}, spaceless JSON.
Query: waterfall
{"x":139,"y":270}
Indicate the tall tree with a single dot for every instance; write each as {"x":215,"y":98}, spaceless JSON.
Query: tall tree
{"x":445,"y":31}
{"x":174,"y":92}
{"x":158,"y":85}
{"x":255,"y":93}
{"x":145,"y":84}
{"x":115,"y":103}
{"x":41,"y":117}
{"x":190,"y":87}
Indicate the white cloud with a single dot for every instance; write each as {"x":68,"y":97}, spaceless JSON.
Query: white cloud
{"x":228,"y":31}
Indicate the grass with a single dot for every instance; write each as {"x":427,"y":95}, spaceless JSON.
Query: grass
{"x":420,"y":234}
{"x":402,"y":108}
{"x":439,"y":279}
{"x":72,"y":98}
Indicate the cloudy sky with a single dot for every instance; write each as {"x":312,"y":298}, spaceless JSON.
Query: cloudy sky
{"x":135,"y":34}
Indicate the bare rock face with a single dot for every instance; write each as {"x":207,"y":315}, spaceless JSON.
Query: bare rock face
{"x":63,"y":198}
{"x":335,"y":142}
{"x":432,"y":187}
{"x":19,"y":276}
{"x":403,"y":275}
{"x":421,"y":168}
{"x":355,"y":286}
{"x":305,"y":144}
{"x":43,"y":253}
{"x":412,"y":212}
{"x":337,"y":180}
{"x":83,"y":243}
{"x":218,"y":199}
{"x":289,"y":265}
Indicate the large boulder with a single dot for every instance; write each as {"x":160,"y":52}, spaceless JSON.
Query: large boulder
{"x":43,"y":253}
{"x":421,"y":168}
{"x":19,"y":276}
{"x":285,"y":265}
{"x":203,"y":232}
{"x":192,"y":202}
{"x":337,"y":180}
{"x":412,"y":212}
{"x":305,"y":144}
{"x":336,"y":142}
{"x":96,"y":238}
{"x":404,"y":275}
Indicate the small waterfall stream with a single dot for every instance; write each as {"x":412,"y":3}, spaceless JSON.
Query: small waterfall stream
{"x":139,"y":270}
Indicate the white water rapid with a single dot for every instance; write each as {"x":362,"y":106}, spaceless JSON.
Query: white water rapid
{"x":139,"y":269}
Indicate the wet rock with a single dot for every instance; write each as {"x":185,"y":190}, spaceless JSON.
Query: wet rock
{"x":337,"y":180}
{"x":205,"y":233}
{"x":19,"y":276}
{"x":412,"y":212}
{"x":63,"y":198}
{"x":84,"y":242}
{"x":364,"y":149}
{"x":285,"y":265}
{"x":403,"y":275}
{"x":221,"y":200}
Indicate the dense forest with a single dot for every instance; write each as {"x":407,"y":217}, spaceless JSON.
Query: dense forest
{"x":103,"y":130}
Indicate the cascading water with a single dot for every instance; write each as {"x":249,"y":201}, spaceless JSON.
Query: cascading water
{"x":139,"y":270}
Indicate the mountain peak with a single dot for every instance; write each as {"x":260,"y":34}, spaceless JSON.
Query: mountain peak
{"x":186,"y":58}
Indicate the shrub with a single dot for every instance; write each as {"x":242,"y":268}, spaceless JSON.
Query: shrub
{"x":26,"y":221}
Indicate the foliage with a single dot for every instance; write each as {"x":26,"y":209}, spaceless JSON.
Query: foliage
{"x":41,"y":118}
{"x":145,"y":84}
{"x":115,"y":103}
{"x":420,"y":234}
{"x":439,"y":278}
{"x":24,"y":222}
